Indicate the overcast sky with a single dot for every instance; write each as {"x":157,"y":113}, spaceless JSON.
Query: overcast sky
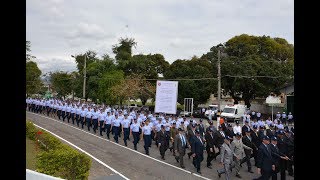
{"x":177,"y":29}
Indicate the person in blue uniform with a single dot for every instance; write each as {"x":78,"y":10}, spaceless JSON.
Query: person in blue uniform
{"x":135,"y":132}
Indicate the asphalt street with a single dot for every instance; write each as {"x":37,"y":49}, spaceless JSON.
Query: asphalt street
{"x":130,"y":163}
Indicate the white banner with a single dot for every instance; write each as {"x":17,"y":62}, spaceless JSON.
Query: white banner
{"x":166,"y":97}
{"x":273,"y":100}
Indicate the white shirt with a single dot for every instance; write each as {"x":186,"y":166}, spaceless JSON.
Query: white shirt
{"x":237,"y":129}
{"x":125,"y":123}
{"x":146,"y":130}
{"x":135,"y":127}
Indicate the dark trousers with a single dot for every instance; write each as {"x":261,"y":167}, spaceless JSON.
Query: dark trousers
{"x":180,"y":157}
{"x":247,"y":159}
{"x":147,"y":142}
{"x":77,"y":119}
{"x":265,"y":175}
{"x":136,"y":138}
{"x":283,"y":167}
{"x":101,"y":127}
{"x":116,"y":133}
{"x":95,"y":125}
{"x":88,"y":120}
{"x":107,"y":127}
{"x":275,"y":173}
{"x":63,"y":114}
{"x":59,"y":113}
{"x":210,"y":156}
{"x":68,"y":116}
{"x":48,"y":110}
{"x":126,"y":133}
{"x":72,"y":118}
{"x":289,"y":166}
{"x":82,"y":121}
{"x":197,"y":161}
{"x":163,"y":148}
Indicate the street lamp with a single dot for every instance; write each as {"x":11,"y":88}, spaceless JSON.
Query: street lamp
{"x":219,"y":76}
{"x":84,"y":75}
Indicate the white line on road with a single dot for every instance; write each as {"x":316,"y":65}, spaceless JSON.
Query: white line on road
{"x":98,"y":160}
{"x":126,"y":148}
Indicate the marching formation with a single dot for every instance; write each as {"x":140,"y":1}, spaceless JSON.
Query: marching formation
{"x":269,"y":143}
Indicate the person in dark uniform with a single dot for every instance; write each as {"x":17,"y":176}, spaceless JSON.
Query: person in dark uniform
{"x":265,"y":163}
{"x":229,"y":131}
{"x":190,"y":135}
{"x":288,"y":139}
{"x":162,"y":143}
{"x":245,"y":127}
{"x":180,"y":146}
{"x":212,"y":127}
{"x":256,"y":141}
{"x":173,"y":133}
{"x":201,"y":128}
{"x":210,"y":148}
{"x":247,"y":140}
{"x":218,"y":139}
{"x":197,"y":150}
{"x":283,"y":148}
{"x":261,"y":132}
{"x":277,"y":155}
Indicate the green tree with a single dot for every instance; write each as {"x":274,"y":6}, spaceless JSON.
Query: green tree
{"x":108,"y":80}
{"x":149,"y":66}
{"x":61,"y":82}
{"x":256,"y":56}
{"x":28,"y":51}
{"x":33,"y":81}
{"x":123,"y":52}
{"x":195,"y":68}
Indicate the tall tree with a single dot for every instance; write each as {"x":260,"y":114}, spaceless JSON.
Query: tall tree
{"x":195,"y":68}
{"x":123,"y":52}
{"x":256,"y":56}
{"x":28,"y":51}
{"x":61,"y":82}
{"x":33,"y":81}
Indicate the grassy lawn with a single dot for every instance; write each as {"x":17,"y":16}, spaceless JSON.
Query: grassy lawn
{"x":31,"y":152}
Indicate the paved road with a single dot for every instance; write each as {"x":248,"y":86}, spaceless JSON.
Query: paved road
{"x":132,"y":164}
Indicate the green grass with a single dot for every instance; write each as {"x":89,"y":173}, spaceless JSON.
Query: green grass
{"x":31,"y":152}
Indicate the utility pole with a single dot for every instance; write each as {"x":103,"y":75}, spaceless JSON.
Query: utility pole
{"x":84,"y":77}
{"x":219,"y":80}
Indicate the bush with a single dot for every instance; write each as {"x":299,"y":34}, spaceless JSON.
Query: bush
{"x":31,"y":130}
{"x":64,"y":162}
{"x":58,"y":159}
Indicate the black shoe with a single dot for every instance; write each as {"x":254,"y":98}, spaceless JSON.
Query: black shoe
{"x":219,"y":174}
{"x":183,"y":167}
{"x":198,"y":171}
{"x":238,"y":176}
{"x":177,"y":159}
{"x":163,"y":158}
{"x":209,"y":167}
{"x":240,"y":165}
{"x":189,"y":155}
{"x":250,"y":171}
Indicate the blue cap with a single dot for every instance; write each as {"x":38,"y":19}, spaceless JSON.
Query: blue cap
{"x":180,"y":129}
{"x":281,"y":132}
{"x":193,"y":125}
{"x":247,"y":121}
{"x":255,"y":126}
{"x":228,"y":138}
{"x":219,"y":126}
{"x":229,"y":125}
{"x":197,"y":131}
{"x":238,"y":134}
{"x":265,"y":138}
{"x":274,"y":138}
{"x":162,"y":126}
{"x":247,"y":130}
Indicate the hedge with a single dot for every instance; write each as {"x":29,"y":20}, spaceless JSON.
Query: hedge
{"x":58,"y":159}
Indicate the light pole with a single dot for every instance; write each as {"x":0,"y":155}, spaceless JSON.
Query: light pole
{"x":219,"y":78}
{"x":84,"y":76}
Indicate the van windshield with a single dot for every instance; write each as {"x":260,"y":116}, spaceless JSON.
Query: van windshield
{"x":229,"y":110}
{"x":213,"y":108}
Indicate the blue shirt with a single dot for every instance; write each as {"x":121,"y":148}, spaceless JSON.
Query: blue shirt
{"x":125,"y":123}
{"x":146,"y":130}
{"x":95,"y":115}
{"x":88,"y":114}
{"x":102,"y":116}
{"x":108,"y":119}
{"x":135,"y":127}
{"x":116,"y":122}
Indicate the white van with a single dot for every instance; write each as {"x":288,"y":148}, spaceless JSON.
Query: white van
{"x":233,"y":112}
